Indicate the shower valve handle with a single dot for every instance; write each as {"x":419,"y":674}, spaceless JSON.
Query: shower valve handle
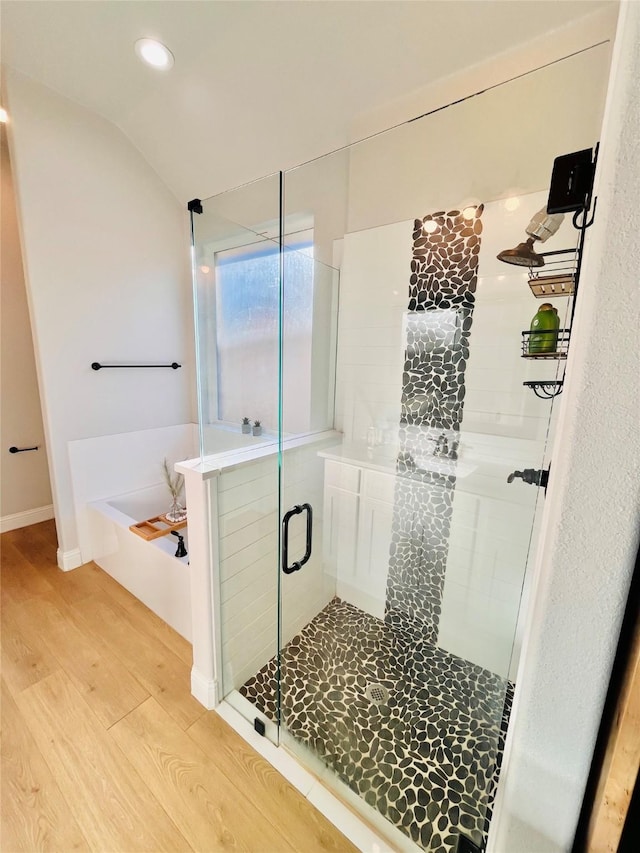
{"x":532,"y":476}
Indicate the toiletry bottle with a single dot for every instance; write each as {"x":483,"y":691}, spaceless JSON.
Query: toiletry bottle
{"x":544,"y":330}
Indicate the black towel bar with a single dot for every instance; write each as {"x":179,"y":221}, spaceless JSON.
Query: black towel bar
{"x":97,"y":366}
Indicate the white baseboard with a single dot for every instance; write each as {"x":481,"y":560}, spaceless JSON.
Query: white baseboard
{"x":203,"y":689}
{"x":24,"y":519}
{"x":68,"y":560}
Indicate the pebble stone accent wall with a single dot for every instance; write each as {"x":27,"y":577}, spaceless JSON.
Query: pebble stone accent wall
{"x":446,"y":245}
{"x":425,"y":757}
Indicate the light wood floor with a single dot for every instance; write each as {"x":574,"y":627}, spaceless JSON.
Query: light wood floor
{"x":103,"y":746}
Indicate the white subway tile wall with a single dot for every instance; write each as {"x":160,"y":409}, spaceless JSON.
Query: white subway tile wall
{"x":504,"y":424}
{"x":248,"y":555}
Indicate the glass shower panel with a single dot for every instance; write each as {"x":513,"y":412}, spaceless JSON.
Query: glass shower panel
{"x":237,"y":273}
{"x":307,"y":377}
{"x":401,"y":682}
{"x":308,"y":342}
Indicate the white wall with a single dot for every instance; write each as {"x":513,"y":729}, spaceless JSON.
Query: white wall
{"x":513,"y":62}
{"x":106,"y":263}
{"x":590,"y":524}
{"x":25,"y":492}
{"x":498,"y":144}
{"x":248,"y":552}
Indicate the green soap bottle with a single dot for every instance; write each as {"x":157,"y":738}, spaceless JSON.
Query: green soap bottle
{"x":544,"y":330}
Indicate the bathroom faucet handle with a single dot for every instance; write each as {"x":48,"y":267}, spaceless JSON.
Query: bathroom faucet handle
{"x":442,"y":445}
{"x":181,"y":551}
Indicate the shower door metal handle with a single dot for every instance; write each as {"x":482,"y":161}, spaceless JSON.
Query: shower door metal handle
{"x":297,"y":565}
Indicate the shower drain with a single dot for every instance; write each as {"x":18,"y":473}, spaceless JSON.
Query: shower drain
{"x":377,"y":693}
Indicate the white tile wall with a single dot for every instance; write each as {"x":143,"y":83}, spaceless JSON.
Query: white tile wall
{"x":248,"y":555}
{"x":504,"y":426}
{"x":373,"y":299}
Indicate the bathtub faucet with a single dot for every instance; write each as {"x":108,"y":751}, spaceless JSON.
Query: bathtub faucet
{"x":181,"y":551}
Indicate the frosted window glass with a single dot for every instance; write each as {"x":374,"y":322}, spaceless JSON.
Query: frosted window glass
{"x":247,"y":311}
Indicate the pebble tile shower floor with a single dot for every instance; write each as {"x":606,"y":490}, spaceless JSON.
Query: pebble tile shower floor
{"x":426,"y":756}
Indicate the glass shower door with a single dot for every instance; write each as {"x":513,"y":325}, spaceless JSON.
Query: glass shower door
{"x":373,"y":546}
{"x":396,"y":675}
{"x":307,"y":582}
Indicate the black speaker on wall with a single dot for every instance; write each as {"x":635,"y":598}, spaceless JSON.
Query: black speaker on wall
{"x":571,"y":182}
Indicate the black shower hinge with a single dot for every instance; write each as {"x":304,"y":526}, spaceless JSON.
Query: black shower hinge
{"x":195,"y":205}
{"x":259,"y":726}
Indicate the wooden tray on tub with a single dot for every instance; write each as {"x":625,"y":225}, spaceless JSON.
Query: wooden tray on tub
{"x":154,"y":528}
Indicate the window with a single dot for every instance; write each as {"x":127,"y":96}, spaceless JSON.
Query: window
{"x":247,"y":312}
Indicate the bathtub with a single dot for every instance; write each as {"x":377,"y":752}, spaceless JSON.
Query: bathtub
{"x":117,"y":481}
{"x":149,"y":569}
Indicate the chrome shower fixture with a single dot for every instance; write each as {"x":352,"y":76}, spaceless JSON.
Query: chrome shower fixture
{"x":542,"y":226}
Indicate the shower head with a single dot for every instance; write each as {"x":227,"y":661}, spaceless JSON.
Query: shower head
{"x":523,"y":255}
{"x":542,"y":226}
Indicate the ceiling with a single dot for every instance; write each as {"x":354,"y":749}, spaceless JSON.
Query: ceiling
{"x":257,"y":85}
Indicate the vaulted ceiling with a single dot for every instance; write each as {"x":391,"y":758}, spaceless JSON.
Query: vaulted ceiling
{"x":257,"y":85}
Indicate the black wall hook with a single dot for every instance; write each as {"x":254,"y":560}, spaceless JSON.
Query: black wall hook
{"x":585,"y":224}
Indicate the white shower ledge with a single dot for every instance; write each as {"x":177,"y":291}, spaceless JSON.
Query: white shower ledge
{"x":384,"y":458}
{"x":212,"y":466}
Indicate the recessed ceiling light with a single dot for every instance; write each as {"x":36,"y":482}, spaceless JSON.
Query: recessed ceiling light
{"x":3,"y":115}
{"x":154,"y":53}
